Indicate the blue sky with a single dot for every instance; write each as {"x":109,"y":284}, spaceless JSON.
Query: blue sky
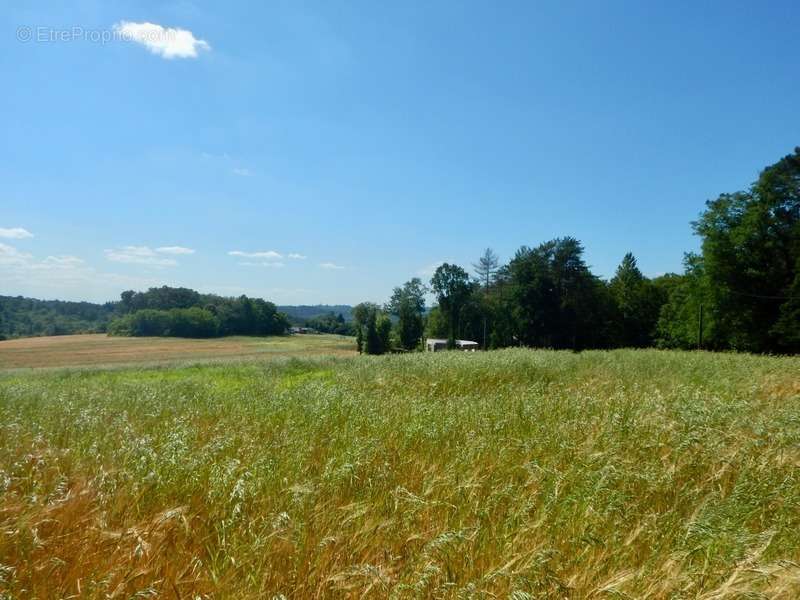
{"x":372,"y":140}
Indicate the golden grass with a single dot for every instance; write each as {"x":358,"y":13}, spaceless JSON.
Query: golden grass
{"x":100,"y":349}
{"x":523,"y":474}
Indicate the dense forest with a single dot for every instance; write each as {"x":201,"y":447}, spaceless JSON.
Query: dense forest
{"x":740,"y":292}
{"x":25,"y":317}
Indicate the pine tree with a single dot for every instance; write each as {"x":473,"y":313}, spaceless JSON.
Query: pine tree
{"x":486,"y":267}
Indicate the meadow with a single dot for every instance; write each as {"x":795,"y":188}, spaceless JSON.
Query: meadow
{"x":515,"y":473}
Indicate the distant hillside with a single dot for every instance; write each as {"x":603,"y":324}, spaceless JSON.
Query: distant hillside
{"x":300,"y":314}
{"x":25,"y":317}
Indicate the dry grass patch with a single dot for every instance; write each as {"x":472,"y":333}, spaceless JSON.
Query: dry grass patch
{"x":100,"y":349}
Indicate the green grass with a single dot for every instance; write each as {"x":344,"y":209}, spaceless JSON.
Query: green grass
{"x":512,"y":473}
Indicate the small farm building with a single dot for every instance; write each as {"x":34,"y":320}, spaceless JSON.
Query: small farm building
{"x":436,"y":344}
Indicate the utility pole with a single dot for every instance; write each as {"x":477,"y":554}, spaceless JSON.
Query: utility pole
{"x":700,"y":329}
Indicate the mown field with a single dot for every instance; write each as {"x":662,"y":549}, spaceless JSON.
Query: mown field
{"x":103,"y":350}
{"x":516,"y":473}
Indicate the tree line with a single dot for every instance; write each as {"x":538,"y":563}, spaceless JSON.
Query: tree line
{"x":330,"y":322}
{"x":26,"y":317}
{"x":182,"y":312}
{"x":302,"y":314}
{"x":29,"y":317}
{"x":160,"y":311}
{"x":740,"y":292}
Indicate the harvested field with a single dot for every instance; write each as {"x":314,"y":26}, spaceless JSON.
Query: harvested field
{"x":100,"y":349}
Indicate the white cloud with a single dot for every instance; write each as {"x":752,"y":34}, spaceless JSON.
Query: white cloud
{"x":267,"y":254}
{"x":265,"y":258}
{"x":144,"y":255}
{"x":65,"y":262}
{"x":15,"y":233}
{"x":63,"y":277}
{"x":330,"y":265}
{"x":167,"y":42}
{"x":11,"y":256}
{"x":274,"y":265}
{"x":241,"y":172}
{"x":139,"y":255}
{"x":58,"y":268}
{"x":174,"y":250}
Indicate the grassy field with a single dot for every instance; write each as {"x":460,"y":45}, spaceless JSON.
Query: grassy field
{"x":100,"y":349}
{"x":522,"y":474}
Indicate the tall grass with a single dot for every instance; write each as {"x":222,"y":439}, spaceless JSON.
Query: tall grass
{"x":515,"y":473}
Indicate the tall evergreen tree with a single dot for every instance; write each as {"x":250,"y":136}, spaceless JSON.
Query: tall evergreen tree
{"x":372,"y":328}
{"x":361,"y":316}
{"x":638,"y":303}
{"x":486,"y":267}
{"x":485,"y":270}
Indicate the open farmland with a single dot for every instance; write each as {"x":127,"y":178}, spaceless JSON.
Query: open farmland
{"x":511,"y":473}
{"x":100,"y":349}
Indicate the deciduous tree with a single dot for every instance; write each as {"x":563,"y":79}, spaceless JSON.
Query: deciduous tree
{"x":451,"y":285}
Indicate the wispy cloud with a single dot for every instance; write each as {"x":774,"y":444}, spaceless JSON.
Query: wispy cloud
{"x":11,"y":256}
{"x":15,"y":233}
{"x":56,"y":267}
{"x":166,"y":42}
{"x":62,"y":276}
{"x":330,"y":265}
{"x":242,"y":172}
{"x":273,"y":265}
{"x":175,"y":250}
{"x":142,"y":255}
{"x":212,"y":156}
{"x":296,"y":256}
{"x":265,"y":254}
{"x":64,"y":261}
